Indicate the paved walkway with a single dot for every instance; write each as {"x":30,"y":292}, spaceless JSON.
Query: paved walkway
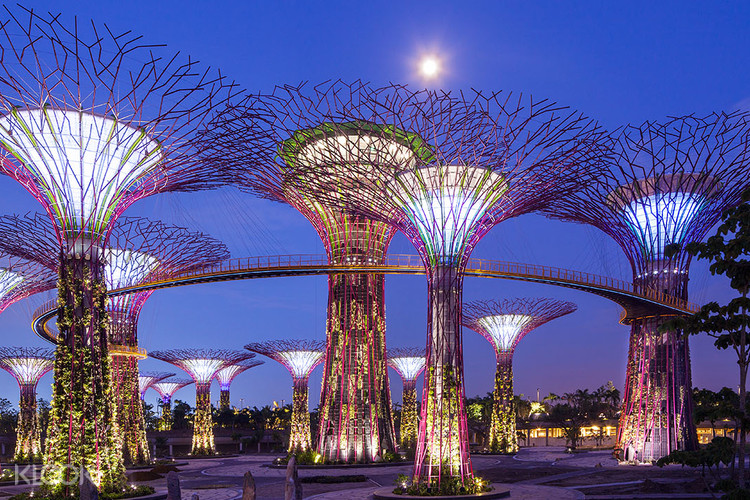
{"x":517,"y":492}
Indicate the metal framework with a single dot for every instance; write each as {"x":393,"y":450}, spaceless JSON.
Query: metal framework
{"x":504,"y":323}
{"x":146,"y":380}
{"x":27,"y":365}
{"x":409,"y":363}
{"x":137,"y":250}
{"x":91,"y":121}
{"x":226,"y":375}
{"x":300,"y":357}
{"x":283,"y":140}
{"x":488,"y":158}
{"x":202,"y":365}
{"x":166,"y":389}
{"x":668,"y":183}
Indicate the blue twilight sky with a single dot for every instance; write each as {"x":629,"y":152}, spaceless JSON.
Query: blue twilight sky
{"x":619,"y":62}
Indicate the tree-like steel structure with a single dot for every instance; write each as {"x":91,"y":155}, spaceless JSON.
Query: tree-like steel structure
{"x":455,"y":166}
{"x":92,"y":121}
{"x":27,"y":365}
{"x":202,"y":365}
{"x":269,"y":138}
{"x":166,"y":389}
{"x":146,"y":380}
{"x":300,"y":357}
{"x":668,"y":184}
{"x":226,"y":375}
{"x":504,"y":323}
{"x":138,"y":250}
{"x":408,"y":363}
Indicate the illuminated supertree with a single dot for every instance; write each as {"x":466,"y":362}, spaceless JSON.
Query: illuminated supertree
{"x":166,"y":389}
{"x":504,"y":323}
{"x":409,"y":363}
{"x":668,"y":184}
{"x":300,"y":357}
{"x":27,"y":365}
{"x":226,"y":375}
{"x":93,"y":121}
{"x":146,"y":380}
{"x":489,"y":158}
{"x":139,"y":250}
{"x":202,"y":365}
{"x":266,"y":140}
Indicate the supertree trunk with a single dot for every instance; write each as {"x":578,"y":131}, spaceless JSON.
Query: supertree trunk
{"x":130,"y":410}
{"x":656,"y":416}
{"x":224,"y":403}
{"x":83,"y":416}
{"x":28,"y":443}
{"x":443,"y":442}
{"x":203,"y":428}
{"x":503,"y":423}
{"x":165,"y":419}
{"x":299,"y":434}
{"x":355,"y":420}
{"x":409,"y":415}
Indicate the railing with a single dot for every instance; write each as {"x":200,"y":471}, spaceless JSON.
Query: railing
{"x":126,"y":350}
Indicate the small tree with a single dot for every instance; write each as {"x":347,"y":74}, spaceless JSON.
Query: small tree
{"x":728,"y":252}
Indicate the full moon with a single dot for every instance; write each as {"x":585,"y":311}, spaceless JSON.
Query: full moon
{"x":429,"y":67}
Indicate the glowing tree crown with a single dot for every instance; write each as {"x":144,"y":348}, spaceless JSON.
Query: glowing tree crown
{"x":147,"y":379}
{"x":89,"y":130}
{"x":300,"y":357}
{"x":668,"y":183}
{"x":167,"y":388}
{"x":505,"y":322}
{"x":226,"y":375}
{"x":20,"y":279}
{"x":408,"y":362}
{"x":26,"y":364}
{"x":201,"y":364}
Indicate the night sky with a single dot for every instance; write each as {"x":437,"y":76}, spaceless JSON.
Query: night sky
{"x":623,"y":63}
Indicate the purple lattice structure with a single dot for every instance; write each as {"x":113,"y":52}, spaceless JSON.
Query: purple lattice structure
{"x":226,"y":375}
{"x":283,"y":140}
{"x":668,"y":184}
{"x":93,"y":121}
{"x":202,"y":365}
{"x":504,"y":323}
{"x":490,"y":158}
{"x":139,"y":250}
{"x":300,"y":357}
{"x":409,"y":363}
{"x":27,"y":365}
{"x":166,"y":389}
{"x":146,"y":380}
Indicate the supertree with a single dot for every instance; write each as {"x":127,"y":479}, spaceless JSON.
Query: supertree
{"x":138,"y":250}
{"x":668,"y":184}
{"x":27,"y":365}
{"x":202,"y":365}
{"x":146,"y":380}
{"x":226,"y":375}
{"x":92,"y":122}
{"x":409,"y":363}
{"x":266,"y":139}
{"x":300,"y":357}
{"x":504,"y":323}
{"x":485,"y":159}
{"x":166,"y":389}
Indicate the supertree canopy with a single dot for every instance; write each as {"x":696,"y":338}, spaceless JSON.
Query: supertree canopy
{"x":27,"y":365}
{"x":166,"y":389}
{"x":92,"y":121}
{"x":668,"y":184}
{"x":491,"y":158}
{"x":202,"y":365}
{"x":226,"y":375}
{"x":146,"y":380}
{"x":504,"y":323}
{"x":409,"y":363}
{"x":280,"y":140}
{"x":300,"y":357}
{"x":138,"y":250}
